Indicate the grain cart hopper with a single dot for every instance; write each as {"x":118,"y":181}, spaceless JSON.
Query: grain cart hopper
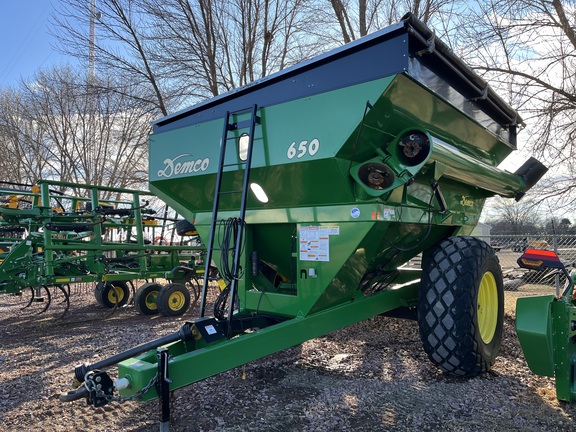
{"x":312,"y":187}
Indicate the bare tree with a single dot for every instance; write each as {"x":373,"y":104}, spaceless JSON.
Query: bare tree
{"x":559,"y":226}
{"x":65,"y":127}
{"x":508,"y":216}
{"x":22,"y":159}
{"x":208,"y":47}
{"x":120,"y":44}
{"x":527,"y":48}
{"x":187,"y":50}
{"x":182,"y":51}
{"x":357,"y":18}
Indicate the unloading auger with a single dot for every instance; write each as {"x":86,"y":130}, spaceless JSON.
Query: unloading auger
{"x":311,"y":188}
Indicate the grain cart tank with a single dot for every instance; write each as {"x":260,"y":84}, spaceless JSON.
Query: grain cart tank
{"x":312,"y":187}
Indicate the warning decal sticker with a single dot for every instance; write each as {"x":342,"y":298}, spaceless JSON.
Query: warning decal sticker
{"x":315,"y":242}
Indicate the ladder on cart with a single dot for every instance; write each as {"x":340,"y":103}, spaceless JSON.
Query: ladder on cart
{"x":231,"y":133}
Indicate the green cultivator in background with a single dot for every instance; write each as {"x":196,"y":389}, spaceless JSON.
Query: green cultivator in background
{"x":311,"y":188}
{"x":52,"y":240}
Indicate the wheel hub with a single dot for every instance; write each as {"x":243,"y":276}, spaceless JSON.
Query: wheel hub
{"x":487,"y":307}
{"x":176,"y":301}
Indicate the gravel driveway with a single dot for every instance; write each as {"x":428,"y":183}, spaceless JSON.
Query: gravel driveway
{"x":373,"y":376}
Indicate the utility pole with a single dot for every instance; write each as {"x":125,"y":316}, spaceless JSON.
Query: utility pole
{"x":91,"y":57}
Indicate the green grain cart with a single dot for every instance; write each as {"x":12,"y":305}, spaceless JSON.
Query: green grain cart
{"x":312,"y":188}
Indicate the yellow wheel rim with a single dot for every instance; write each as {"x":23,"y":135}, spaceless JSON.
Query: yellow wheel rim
{"x":487,"y":307}
{"x":115,"y":295}
{"x":151,"y":300}
{"x":176,"y":301}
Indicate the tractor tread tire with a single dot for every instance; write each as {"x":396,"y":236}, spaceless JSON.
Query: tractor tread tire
{"x":447,"y":306}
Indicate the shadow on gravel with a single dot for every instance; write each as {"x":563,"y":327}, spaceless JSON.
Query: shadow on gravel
{"x":372,"y":376}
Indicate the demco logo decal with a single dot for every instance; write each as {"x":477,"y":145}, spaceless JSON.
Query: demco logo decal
{"x":183,"y":164}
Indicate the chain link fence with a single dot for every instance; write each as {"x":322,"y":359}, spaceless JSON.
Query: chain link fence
{"x":510,"y":247}
{"x":520,"y":282}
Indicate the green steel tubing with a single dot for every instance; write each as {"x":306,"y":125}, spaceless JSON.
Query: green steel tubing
{"x":89,"y":186}
{"x":190,"y":365}
{"x":460,"y":167}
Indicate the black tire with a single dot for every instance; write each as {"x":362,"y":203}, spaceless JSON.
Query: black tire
{"x":461,"y":306}
{"x":173,"y":300}
{"x":185,"y":228}
{"x":112,"y":294}
{"x":145,"y":299}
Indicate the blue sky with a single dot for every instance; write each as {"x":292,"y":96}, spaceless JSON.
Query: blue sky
{"x":25,"y":43}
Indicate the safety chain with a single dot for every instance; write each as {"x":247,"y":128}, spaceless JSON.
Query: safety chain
{"x":96,"y":389}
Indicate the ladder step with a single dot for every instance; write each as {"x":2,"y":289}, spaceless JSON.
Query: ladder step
{"x":248,"y":123}
{"x":245,"y":124}
{"x":229,"y":192}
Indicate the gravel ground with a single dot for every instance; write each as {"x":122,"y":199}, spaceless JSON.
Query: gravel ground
{"x":373,"y":376}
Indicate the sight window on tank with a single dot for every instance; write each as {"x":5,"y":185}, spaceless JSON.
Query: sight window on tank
{"x":243,"y":143}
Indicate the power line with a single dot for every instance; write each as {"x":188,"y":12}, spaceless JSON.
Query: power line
{"x":25,"y":43}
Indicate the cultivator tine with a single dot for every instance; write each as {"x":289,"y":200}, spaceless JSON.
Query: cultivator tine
{"x":37,"y":297}
{"x":33,"y":296}
{"x":48,"y":299}
{"x":133,"y":290}
{"x":65,"y":292}
{"x":41,"y":294}
{"x":66,"y":299}
{"x":113,"y":310}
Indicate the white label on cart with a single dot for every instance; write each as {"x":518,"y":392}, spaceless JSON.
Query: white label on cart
{"x":388,"y":213}
{"x":210,"y":329}
{"x":315,"y":242}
